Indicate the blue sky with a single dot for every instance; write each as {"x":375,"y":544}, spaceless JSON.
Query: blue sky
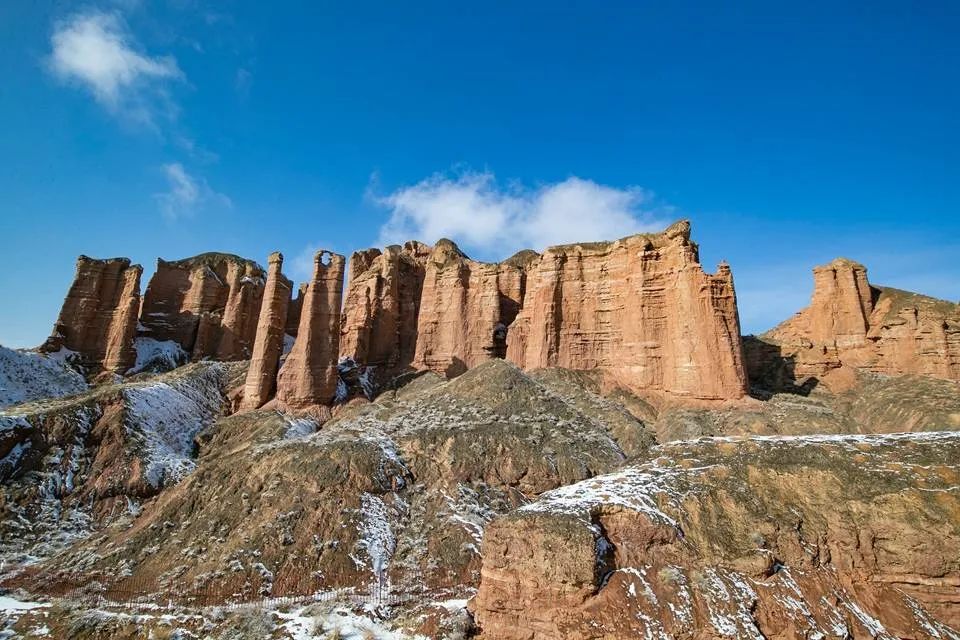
{"x":789,"y":133}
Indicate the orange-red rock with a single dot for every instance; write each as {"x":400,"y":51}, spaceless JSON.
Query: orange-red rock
{"x":293,"y":311}
{"x":98,"y":319}
{"x":268,"y":345}
{"x":641,"y":309}
{"x":806,"y":537}
{"x":853,"y":325}
{"x":382,"y":304}
{"x":209,"y":304}
{"x":308,"y":378}
{"x":465,"y":308}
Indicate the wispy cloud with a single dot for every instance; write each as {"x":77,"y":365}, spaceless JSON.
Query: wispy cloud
{"x":97,"y":51}
{"x":187,"y":194}
{"x":474,"y":210}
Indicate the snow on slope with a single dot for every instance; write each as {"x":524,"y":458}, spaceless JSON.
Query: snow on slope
{"x":164,"y":417}
{"x":28,"y":375}
{"x":158,"y":355}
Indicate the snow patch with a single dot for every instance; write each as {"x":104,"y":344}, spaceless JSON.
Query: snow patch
{"x":28,"y":375}
{"x":164,"y":417}
{"x":157,"y":355}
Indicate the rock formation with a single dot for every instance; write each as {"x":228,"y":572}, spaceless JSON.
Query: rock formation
{"x":293,"y":311}
{"x":382,"y":304}
{"x":641,"y":309}
{"x":308,"y":378}
{"x":460,"y":323}
{"x":268,"y":345}
{"x":853,"y":325}
{"x":98,"y":319}
{"x":209,"y":304}
{"x":810,"y":537}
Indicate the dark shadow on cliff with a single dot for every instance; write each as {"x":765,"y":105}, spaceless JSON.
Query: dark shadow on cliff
{"x":769,"y":371}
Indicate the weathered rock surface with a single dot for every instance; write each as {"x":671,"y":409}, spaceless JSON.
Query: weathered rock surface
{"x":853,"y":325}
{"x":308,"y":378}
{"x":641,"y":309}
{"x":268,"y":344}
{"x":382,"y":305}
{"x":461,"y":322}
{"x":816,"y":536}
{"x":98,"y":319}
{"x":208,"y":304}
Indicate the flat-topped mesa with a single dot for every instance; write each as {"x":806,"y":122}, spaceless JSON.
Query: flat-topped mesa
{"x":462,"y":321}
{"x":308,"y":378}
{"x":379,"y":322}
{"x":209,"y":304}
{"x":853,"y":325}
{"x":641,"y":309}
{"x":98,"y":319}
{"x":268,"y":344}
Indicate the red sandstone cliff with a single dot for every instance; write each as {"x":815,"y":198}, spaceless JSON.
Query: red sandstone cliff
{"x":209,"y":304}
{"x":853,"y":325}
{"x":98,"y":319}
{"x":268,"y":345}
{"x":382,"y":304}
{"x":308,"y":378}
{"x":641,"y":308}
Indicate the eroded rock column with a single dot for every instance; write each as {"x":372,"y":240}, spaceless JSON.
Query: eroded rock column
{"x":98,"y":319}
{"x":308,"y":378}
{"x":268,"y":344}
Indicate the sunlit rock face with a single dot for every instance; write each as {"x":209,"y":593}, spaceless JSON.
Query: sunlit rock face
{"x":98,"y":319}
{"x":641,"y":309}
{"x":208,"y":304}
{"x":852,"y":325}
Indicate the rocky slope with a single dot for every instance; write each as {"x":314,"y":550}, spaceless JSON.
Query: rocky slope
{"x":803,"y":537}
{"x":390,"y":495}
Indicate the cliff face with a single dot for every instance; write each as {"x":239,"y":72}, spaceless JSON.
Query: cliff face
{"x":308,"y":378}
{"x":209,"y":304}
{"x":807,"y":537}
{"x":853,"y":325}
{"x":642,"y":309}
{"x":268,"y":345}
{"x":98,"y":319}
{"x":379,"y":323}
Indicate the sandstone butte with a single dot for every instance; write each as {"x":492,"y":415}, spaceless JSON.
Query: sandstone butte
{"x":308,"y":378}
{"x":640,"y":309}
{"x":851,"y":324}
{"x":268,"y":344}
{"x":98,"y":319}
{"x":208,"y":304}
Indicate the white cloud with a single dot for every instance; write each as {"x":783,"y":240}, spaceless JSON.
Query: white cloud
{"x":474,"y":211}
{"x":97,"y":51}
{"x":186,"y":194}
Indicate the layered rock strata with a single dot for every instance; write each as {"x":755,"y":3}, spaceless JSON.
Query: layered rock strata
{"x":382,"y":305}
{"x":641,"y":309}
{"x":268,"y":344}
{"x":308,"y":377}
{"x":98,"y":319}
{"x":809,"y":537}
{"x":209,"y":304}
{"x":462,"y":318}
{"x":853,"y":325}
